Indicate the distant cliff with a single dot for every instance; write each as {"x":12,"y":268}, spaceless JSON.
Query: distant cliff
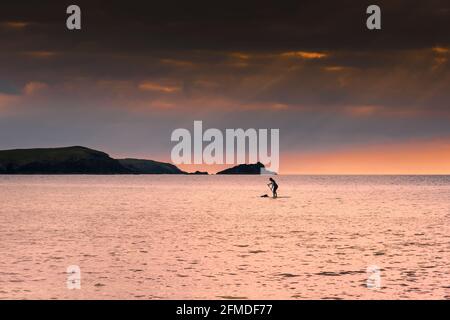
{"x":76,"y":160}
{"x":82,"y":160}
{"x":244,"y":169}
{"x":204,"y":173}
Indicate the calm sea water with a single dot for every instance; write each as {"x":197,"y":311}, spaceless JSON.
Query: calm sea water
{"x":212,"y":237}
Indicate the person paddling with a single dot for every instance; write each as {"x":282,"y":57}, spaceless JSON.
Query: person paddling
{"x":273,"y":186}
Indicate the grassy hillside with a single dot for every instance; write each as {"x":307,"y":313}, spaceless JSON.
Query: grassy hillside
{"x":76,"y":160}
{"x":69,"y":160}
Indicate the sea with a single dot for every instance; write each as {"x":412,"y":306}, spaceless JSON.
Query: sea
{"x":215,"y":237}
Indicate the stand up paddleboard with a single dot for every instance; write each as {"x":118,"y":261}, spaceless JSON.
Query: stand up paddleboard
{"x":267,"y":196}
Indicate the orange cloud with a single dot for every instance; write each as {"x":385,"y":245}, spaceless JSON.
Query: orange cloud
{"x":441,"y":56}
{"x":441,"y":50}
{"x":41,"y":54}
{"x":419,"y":157}
{"x":240,"y":55}
{"x":304,"y":55}
{"x":34,"y":87}
{"x":152,"y":86}
{"x":334,"y":68}
{"x":362,"y":111}
{"x":15,"y":24}
{"x":7,"y":100}
{"x":177,"y":63}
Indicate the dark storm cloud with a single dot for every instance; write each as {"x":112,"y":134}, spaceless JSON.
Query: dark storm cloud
{"x":229,"y":25}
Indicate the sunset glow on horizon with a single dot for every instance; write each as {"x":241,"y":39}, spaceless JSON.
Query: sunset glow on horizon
{"x":420,"y":158}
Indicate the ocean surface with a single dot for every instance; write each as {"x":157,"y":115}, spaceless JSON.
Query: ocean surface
{"x":213,"y":237}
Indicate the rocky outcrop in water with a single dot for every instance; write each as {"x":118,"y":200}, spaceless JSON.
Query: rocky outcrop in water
{"x":244,"y":169}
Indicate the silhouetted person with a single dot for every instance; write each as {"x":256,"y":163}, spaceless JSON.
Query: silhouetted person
{"x":273,"y":186}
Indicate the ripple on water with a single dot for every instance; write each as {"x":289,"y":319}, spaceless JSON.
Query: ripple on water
{"x":341,"y":273}
{"x":287,"y":275}
{"x":256,"y":251}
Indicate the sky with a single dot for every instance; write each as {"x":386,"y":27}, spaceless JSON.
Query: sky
{"x":347,"y":100}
